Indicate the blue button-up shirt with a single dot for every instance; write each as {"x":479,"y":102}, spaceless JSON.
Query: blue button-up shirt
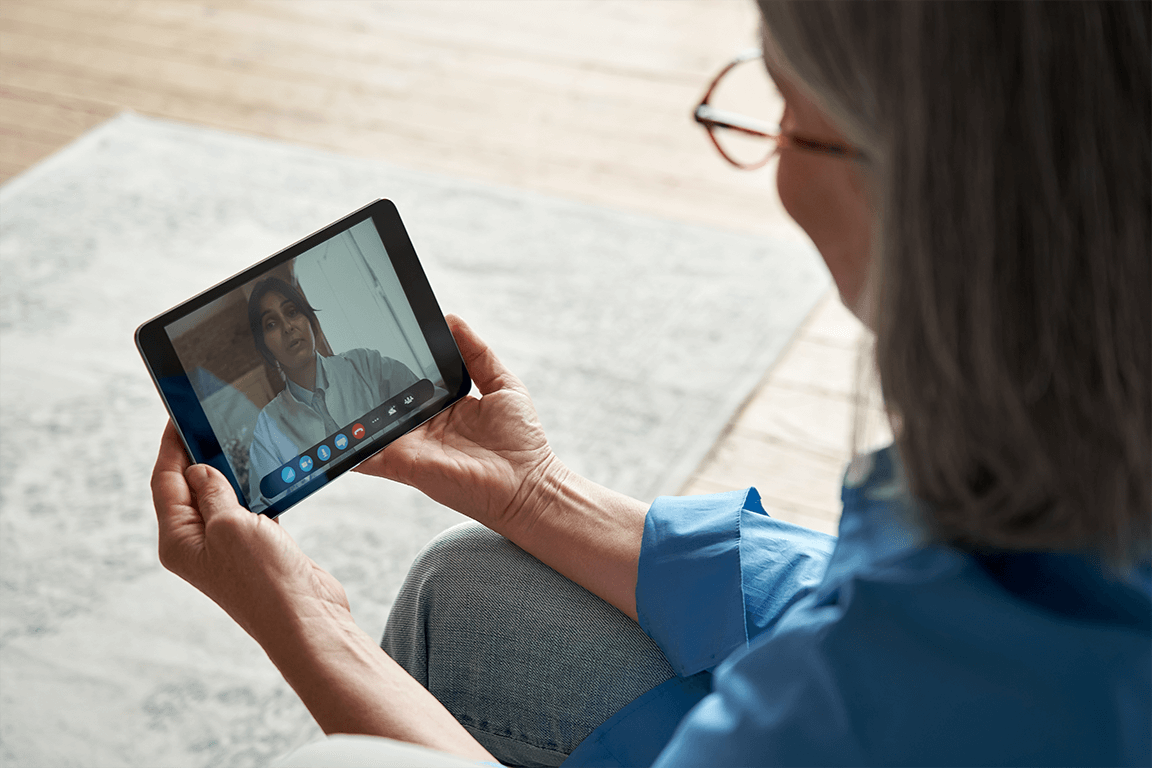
{"x":795,"y":648}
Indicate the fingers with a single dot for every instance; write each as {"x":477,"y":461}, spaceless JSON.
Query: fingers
{"x":214,"y":495}
{"x":170,"y":494}
{"x":483,"y":365}
{"x":390,"y":463}
{"x":172,"y":454}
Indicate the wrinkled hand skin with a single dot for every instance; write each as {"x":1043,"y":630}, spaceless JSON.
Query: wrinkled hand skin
{"x":244,"y":562}
{"x":485,"y":457}
{"x":296,"y":611}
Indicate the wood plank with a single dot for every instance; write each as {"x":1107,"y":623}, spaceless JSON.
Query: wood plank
{"x":781,"y":471}
{"x":814,"y":366}
{"x":817,"y":520}
{"x":261,"y":94}
{"x":8,"y":169}
{"x":490,"y":85}
{"x":355,"y":112}
{"x":597,"y":181}
{"x":582,"y":99}
{"x":636,"y":35}
{"x":19,"y":152}
{"x":396,"y":67}
{"x":57,"y":120}
{"x":587,"y":127}
{"x":833,"y":325}
{"x":817,"y":422}
{"x":644,"y":41}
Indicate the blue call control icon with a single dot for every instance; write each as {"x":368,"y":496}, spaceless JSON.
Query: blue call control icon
{"x":288,"y":474}
{"x":305,"y":463}
{"x":341,"y":441}
{"x":323,"y":453}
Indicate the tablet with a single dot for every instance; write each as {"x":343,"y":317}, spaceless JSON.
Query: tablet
{"x":297,"y":369}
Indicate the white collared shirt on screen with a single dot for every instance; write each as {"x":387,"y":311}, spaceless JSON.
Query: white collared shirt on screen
{"x":348,"y":385}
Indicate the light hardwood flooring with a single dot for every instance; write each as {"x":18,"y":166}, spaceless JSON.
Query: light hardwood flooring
{"x":585,"y":99}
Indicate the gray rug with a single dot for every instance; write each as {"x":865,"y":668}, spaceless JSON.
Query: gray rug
{"x":637,"y":336}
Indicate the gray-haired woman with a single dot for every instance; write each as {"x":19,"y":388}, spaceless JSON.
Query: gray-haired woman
{"x":978,"y":179}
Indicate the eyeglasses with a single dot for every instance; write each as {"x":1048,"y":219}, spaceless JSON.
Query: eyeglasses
{"x":738,"y":136}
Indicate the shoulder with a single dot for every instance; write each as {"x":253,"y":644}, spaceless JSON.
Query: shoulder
{"x":264,"y":431}
{"x":274,"y":408}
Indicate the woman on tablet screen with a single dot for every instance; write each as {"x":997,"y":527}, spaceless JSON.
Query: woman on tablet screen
{"x":978,"y":180}
{"x":321,"y":394}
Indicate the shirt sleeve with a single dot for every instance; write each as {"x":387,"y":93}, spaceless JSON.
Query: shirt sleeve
{"x":716,"y":571}
{"x":775,"y":703}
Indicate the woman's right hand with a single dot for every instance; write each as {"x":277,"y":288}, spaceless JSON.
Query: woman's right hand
{"x":485,"y":457}
{"x":488,"y":458}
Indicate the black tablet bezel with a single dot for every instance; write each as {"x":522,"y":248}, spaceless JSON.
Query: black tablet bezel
{"x":184,"y":407}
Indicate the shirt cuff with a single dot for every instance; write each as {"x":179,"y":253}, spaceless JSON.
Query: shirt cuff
{"x":716,"y":571}
{"x":689,"y":596}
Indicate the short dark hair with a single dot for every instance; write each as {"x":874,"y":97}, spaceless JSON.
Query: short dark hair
{"x":262,"y":289}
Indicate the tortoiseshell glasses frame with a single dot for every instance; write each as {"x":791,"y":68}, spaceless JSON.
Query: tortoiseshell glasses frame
{"x":712,"y":119}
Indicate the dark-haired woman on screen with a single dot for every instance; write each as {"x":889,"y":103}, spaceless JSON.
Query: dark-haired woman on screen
{"x":321,"y":394}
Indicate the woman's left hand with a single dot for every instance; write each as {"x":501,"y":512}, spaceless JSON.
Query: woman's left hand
{"x":297,"y":612}
{"x":244,"y":562}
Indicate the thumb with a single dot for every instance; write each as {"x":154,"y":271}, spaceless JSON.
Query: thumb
{"x":213,"y":494}
{"x":483,"y":365}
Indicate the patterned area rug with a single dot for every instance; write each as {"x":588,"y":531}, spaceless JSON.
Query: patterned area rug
{"x":638,"y":337}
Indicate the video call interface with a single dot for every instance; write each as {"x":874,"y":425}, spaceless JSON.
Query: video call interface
{"x":315,"y":360}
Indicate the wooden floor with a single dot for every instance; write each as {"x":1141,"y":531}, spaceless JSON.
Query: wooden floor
{"x":585,"y":99}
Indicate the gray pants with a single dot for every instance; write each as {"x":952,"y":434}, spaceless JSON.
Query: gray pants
{"x":529,"y":662}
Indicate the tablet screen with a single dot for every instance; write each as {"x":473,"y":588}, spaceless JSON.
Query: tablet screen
{"x":306,"y":367}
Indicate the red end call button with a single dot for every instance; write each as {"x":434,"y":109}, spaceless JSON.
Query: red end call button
{"x":358,"y":431}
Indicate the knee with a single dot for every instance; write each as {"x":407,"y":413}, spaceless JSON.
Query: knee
{"x":460,"y":543}
{"x":458,"y":557}
{"x":465,"y":585}
{"x":455,"y":573}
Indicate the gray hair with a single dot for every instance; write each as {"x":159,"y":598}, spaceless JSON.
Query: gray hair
{"x":1011,"y":161}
